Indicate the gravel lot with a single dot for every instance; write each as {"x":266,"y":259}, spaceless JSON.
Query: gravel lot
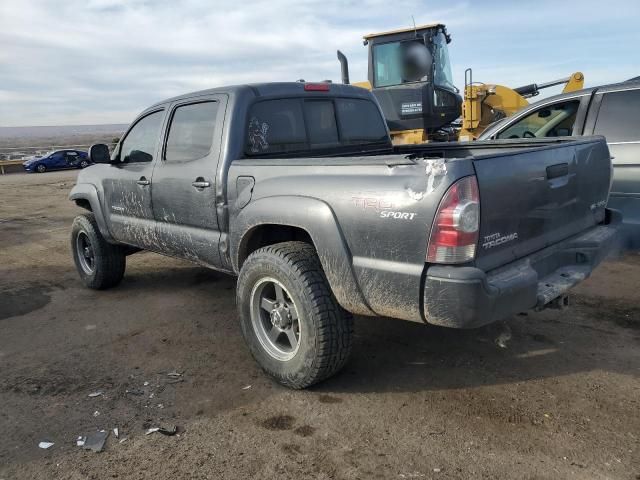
{"x":562,"y":400}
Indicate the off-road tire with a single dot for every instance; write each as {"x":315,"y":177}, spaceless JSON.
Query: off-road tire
{"x":109,"y":260}
{"x":326,"y":328}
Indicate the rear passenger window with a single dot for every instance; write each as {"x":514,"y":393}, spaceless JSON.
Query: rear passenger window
{"x":360,"y":120}
{"x":191,"y":132}
{"x":618,"y":117}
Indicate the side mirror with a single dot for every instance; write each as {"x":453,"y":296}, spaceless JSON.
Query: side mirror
{"x":99,"y":153}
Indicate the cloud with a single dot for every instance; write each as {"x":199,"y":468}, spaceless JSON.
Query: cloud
{"x":105,"y":60}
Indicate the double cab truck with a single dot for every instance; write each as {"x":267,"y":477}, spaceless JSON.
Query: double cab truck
{"x":296,"y":189}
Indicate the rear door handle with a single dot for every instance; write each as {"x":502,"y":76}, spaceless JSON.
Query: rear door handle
{"x":559,"y":170}
{"x":201,"y":183}
{"x":143,"y":181}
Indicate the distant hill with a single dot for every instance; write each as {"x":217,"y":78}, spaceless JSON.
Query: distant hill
{"x":62,"y":131}
{"x":21,"y":142}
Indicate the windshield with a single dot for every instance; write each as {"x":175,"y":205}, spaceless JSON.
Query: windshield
{"x":401,"y":62}
{"x":442,"y":73}
{"x":549,"y":121}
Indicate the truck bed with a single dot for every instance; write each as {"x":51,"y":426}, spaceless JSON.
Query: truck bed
{"x":382,"y":208}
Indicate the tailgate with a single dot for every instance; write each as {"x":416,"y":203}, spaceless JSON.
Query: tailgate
{"x":533,"y":198}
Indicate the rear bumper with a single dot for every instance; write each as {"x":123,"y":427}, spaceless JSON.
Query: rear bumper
{"x":467,"y":297}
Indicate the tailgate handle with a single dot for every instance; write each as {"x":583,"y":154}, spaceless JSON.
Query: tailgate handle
{"x":559,"y":170}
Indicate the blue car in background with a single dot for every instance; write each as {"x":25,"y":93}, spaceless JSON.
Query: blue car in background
{"x":57,"y":160}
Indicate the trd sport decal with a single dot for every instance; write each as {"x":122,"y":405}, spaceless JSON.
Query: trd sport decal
{"x":384,"y":207}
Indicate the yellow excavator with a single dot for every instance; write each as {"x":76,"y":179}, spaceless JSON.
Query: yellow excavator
{"x":409,"y":72}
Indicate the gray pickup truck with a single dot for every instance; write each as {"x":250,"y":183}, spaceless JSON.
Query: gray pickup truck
{"x":297,"y":190}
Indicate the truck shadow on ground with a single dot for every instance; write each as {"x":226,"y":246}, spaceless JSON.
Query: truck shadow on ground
{"x":394,"y":355}
{"x":391,"y":355}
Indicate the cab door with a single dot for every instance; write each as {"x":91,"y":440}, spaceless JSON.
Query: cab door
{"x":56,"y":160}
{"x":184,"y":180}
{"x":616,"y":117}
{"x":127,"y":183}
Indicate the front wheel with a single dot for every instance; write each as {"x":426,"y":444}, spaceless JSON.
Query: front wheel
{"x":100,"y":264}
{"x":41,"y":168}
{"x":295,"y":328}
{"x":84,"y":164}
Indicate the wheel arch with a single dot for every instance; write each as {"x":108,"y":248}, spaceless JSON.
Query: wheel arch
{"x":274,"y":219}
{"x":85,"y":195}
{"x":266,"y":234}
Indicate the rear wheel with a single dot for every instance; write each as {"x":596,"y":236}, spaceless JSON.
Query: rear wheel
{"x":41,"y":168}
{"x":100,"y":264}
{"x":295,"y":328}
{"x":84,"y":164}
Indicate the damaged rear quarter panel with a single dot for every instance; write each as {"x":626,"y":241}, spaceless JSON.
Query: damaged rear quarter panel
{"x":379,"y":208}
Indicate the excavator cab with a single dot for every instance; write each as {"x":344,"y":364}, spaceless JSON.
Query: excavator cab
{"x":410,"y":75}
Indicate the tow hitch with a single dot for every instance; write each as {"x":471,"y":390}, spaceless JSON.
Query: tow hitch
{"x":559,"y":303}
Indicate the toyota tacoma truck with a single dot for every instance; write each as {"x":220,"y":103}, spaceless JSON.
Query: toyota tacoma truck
{"x":296,"y":189}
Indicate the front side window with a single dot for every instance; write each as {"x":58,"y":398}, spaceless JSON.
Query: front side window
{"x":141,"y":141}
{"x":191,"y":131}
{"x":555,"y":120}
{"x":618,"y":116}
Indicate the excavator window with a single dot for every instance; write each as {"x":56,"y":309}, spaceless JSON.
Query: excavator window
{"x":555,"y":120}
{"x":401,"y":62}
{"x":413,"y":60}
{"x":387,"y":64}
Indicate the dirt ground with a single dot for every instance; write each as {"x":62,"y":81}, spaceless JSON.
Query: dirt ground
{"x":562,"y":400}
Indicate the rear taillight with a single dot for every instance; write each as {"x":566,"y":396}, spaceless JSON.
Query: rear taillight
{"x":454,"y":234}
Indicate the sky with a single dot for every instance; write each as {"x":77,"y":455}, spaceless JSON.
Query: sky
{"x":103,"y":61}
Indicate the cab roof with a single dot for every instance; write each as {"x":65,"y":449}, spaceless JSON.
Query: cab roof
{"x":403,"y":30}
{"x":284,"y":89}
